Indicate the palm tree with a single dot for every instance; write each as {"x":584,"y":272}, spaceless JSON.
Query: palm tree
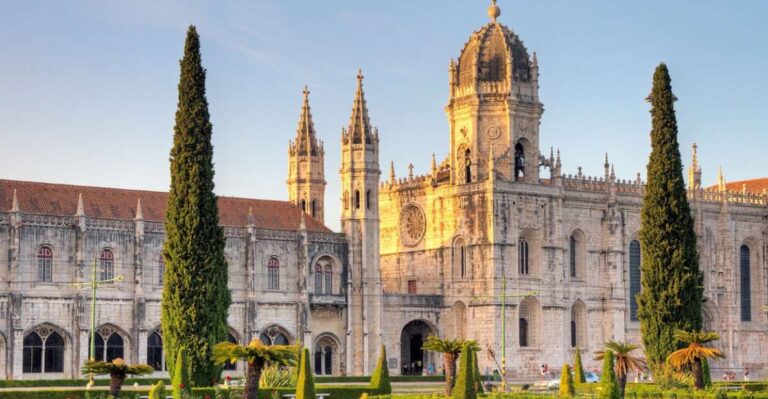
{"x":257,"y":355}
{"x":451,"y":349}
{"x":623,"y":361}
{"x":117,"y":370}
{"x":695,"y":353}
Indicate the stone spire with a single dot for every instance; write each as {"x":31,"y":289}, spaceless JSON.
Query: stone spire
{"x":694,"y":172}
{"x":80,"y":206}
{"x":306,"y":141}
{"x":433,"y":167}
{"x":139,"y":212}
{"x":720,"y":180}
{"x":359,"y":124}
{"x":391,"y":172}
{"x":15,"y":203}
{"x":494,"y":11}
{"x":606,"y":167}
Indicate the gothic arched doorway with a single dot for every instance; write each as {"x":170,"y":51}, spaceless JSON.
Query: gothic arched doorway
{"x":413,"y":361}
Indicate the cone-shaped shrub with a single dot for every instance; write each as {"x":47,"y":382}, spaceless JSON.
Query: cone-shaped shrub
{"x":478,"y":378}
{"x":567,"y":389}
{"x":609,"y":385}
{"x":706,"y":373}
{"x":380,"y":378}
{"x":180,"y":380}
{"x":305,"y":386}
{"x":578,"y":369}
{"x":158,"y":391}
{"x":465,"y":387}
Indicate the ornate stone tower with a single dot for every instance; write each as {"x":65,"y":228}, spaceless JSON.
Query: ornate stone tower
{"x":494,"y":101}
{"x":360,"y":222}
{"x":306,"y":177}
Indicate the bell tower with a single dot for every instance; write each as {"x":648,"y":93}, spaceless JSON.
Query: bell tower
{"x":360,"y":223}
{"x":494,"y":102}
{"x":306,"y":177}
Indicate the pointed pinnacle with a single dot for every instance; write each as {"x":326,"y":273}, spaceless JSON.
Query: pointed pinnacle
{"x":250,"y":216}
{"x":139,"y":212}
{"x":80,"y":205}
{"x":391,"y":171}
{"x":15,"y":203}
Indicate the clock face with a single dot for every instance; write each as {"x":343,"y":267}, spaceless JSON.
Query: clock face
{"x":413,"y":224}
{"x":494,"y":132}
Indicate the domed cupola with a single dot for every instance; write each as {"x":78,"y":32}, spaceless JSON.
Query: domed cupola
{"x":492,"y":54}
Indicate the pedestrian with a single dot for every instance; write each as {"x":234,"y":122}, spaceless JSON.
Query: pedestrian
{"x":746,"y":373}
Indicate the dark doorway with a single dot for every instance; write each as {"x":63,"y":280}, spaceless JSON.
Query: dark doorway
{"x":412,"y":356}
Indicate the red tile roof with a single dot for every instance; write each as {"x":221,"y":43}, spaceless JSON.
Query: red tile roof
{"x":756,"y":186}
{"x":116,"y":203}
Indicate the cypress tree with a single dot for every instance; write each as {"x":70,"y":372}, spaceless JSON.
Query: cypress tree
{"x":305,"y":386}
{"x":578,"y":368}
{"x":476,"y":374}
{"x":672,"y":285}
{"x":195,"y":297}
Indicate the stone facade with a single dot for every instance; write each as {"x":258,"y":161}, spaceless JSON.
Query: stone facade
{"x":480,"y":247}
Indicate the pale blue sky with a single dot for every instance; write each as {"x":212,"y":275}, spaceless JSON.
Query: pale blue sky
{"x":88,"y":88}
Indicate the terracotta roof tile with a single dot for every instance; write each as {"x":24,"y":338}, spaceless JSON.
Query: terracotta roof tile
{"x":116,"y":203}
{"x":755,"y":186}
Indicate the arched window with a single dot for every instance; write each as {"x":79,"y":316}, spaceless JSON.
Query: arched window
{"x":114,"y":347}
{"x":45,"y":264}
{"x":745,"y":285}
{"x":573,"y":333}
{"x":522,"y":257}
{"x":572,"y":248}
{"x":43,"y":352}
{"x":328,"y":279}
{"x":160,"y":269}
{"x":357,"y":199}
{"x":107,"y":264}
{"x":519,"y":161}
{"x":273,"y":336}
{"x":99,"y":348}
{"x":303,"y":204}
{"x":523,"y":325}
{"x":634,"y":278}
{"x":229,"y":366}
{"x":324,"y":350}
{"x":578,"y":324}
{"x":155,"y":352}
{"x":273,"y":274}
{"x":314,"y":208}
{"x":467,"y":166}
{"x":346,"y":200}
{"x":368,"y":199}
{"x":460,"y":256}
{"x":33,"y":354}
{"x":318,"y":279}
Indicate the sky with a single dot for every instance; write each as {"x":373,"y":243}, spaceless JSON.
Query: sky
{"x":88,"y":88}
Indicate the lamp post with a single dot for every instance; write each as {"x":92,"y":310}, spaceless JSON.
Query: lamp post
{"x":503,"y":298}
{"x":93,"y":285}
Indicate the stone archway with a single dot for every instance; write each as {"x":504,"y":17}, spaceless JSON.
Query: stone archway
{"x":412,"y":357}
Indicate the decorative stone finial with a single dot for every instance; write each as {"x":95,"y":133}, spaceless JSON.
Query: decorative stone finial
{"x":391,"y":172}
{"x":250,"y":216}
{"x":139,"y":212}
{"x":410,"y":170}
{"x":80,"y":206}
{"x":434,"y":164}
{"x":720,"y":179}
{"x":494,"y":11}
{"x":15,"y":203}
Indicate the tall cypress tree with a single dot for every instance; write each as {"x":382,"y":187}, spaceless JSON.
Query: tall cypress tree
{"x":195,"y":297}
{"x":672,"y":285}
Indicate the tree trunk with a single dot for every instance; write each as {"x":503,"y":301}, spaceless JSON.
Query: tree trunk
{"x":450,"y":372}
{"x":698,"y":374}
{"x":252,"y":377}
{"x":116,"y":384}
{"x":622,"y":385}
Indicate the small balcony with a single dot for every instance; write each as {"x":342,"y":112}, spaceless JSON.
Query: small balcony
{"x":328,"y":300}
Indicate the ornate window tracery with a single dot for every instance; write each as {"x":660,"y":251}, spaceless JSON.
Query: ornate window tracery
{"x":273,"y":274}
{"x":43,"y":351}
{"x":155,"y":355}
{"x":745,"y":283}
{"x":107,"y":264}
{"x":522,"y":257}
{"x":634,"y":278}
{"x":274,"y":335}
